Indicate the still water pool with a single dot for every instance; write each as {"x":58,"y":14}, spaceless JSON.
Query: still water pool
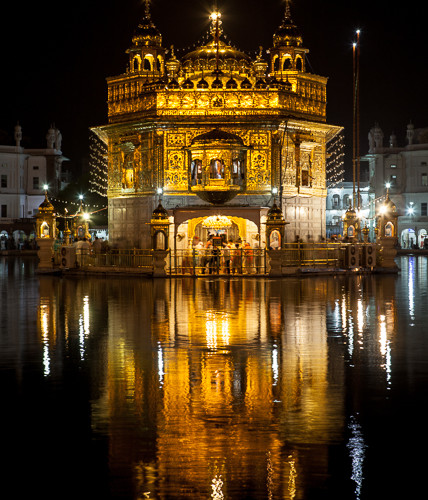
{"x":128,"y":388}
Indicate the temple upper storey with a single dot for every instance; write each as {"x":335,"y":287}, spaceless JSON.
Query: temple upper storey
{"x":216,"y":78}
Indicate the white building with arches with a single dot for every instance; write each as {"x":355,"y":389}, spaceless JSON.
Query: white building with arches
{"x":339,"y":199}
{"x":23,"y":174}
{"x":403,"y":170}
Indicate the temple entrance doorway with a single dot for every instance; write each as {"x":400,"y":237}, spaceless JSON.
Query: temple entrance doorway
{"x":218,"y":245}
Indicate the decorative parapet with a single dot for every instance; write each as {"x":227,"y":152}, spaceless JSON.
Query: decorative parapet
{"x":126,"y":98}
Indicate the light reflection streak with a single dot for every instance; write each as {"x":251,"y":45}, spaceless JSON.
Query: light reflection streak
{"x":44,"y":324}
{"x":292,"y":478}
{"x":336,"y":314}
{"x":217,"y":323}
{"x":161,"y":373}
{"x":411,"y":288}
{"x":217,"y":485}
{"x":275,"y":371}
{"x":356,"y":448}
{"x":385,"y":347}
{"x":84,"y":325}
{"x":351,"y":336}
{"x":360,"y":316}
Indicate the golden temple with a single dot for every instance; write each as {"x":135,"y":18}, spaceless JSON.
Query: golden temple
{"x":216,"y":133}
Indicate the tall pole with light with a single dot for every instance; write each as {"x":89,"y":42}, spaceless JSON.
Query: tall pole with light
{"x":356,"y":122}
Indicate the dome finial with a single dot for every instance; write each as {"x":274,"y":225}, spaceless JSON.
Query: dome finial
{"x":287,"y":9}
{"x":147,"y":8}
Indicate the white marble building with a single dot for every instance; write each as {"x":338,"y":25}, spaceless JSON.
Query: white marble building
{"x":23,"y":175}
{"x":404,"y":171}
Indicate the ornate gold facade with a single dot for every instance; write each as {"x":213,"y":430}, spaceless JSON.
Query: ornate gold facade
{"x":215,"y":127}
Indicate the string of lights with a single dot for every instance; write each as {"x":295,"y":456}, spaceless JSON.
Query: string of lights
{"x":98,"y":166}
{"x":335,"y":161}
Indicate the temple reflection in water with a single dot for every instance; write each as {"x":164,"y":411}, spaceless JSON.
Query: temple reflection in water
{"x":214,"y":387}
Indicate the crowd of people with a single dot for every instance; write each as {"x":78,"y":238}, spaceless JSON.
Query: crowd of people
{"x":218,"y":255}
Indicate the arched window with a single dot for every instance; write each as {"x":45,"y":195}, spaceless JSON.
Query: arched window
{"x":276,"y":63}
{"x":159,"y":63}
{"x":160,"y":240}
{"x":287,"y":64}
{"x":147,"y":65}
{"x":335,"y":201}
{"x":136,"y":64}
{"x":216,"y":169}
{"x":196,"y":172}
{"x":346,"y":200}
{"x":299,"y":64}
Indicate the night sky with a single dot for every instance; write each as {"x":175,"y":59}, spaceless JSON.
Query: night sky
{"x":55,"y":57}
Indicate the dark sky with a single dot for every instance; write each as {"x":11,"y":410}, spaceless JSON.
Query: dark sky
{"x":55,"y":57}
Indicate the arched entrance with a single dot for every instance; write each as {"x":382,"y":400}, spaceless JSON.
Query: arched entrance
{"x":423,"y":238}
{"x":408,"y":238}
{"x":207,"y":243}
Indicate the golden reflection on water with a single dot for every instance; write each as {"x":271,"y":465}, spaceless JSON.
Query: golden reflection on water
{"x":205,"y":387}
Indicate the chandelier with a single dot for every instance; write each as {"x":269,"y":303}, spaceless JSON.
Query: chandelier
{"x":216,"y":222}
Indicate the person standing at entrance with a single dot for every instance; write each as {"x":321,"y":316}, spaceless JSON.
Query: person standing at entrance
{"x":236,"y":259}
{"x":226,"y":257}
{"x":248,"y":258}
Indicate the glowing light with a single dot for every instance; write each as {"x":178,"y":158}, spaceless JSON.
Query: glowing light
{"x":86,"y":216}
{"x":383,"y":209}
{"x":215,"y":15}
{"x":45,"y":187}
{"x":216,"y":222}
{"x":388,"y":185}
{"x":80,"y":196}
{"x":159,"y":190}
{"x":274,"y":190}
{"x":410,"y":210}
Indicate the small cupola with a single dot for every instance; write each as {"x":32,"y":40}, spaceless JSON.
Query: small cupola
{"x":146,"y":55}
{"x":287,"y":53}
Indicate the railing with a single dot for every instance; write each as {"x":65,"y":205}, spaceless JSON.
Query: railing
{"x":221,"y":261}
{"x":312,"y":255}
{"x":118,"y":258}
{"x":198,"y":262}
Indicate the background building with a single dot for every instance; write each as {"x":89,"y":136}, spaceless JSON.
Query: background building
{"x":404,"y":171}
{"x":339,"y":198}
{"x":216,"y":133}
{"x":23,"y":175}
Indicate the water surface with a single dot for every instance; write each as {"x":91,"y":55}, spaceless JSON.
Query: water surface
{"x":259,"y":388}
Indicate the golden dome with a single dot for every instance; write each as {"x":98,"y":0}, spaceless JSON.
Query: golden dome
{"x":46,"y":205}
{"x":287,"y":33}
{"x":216,"y":50}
